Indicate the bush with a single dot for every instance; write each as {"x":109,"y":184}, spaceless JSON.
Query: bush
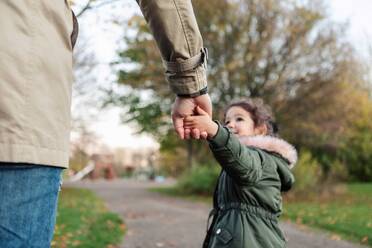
{"x":202,"y":179}
{"x":357,"y":154}
{"x":173,"y":162}
{"x":199,"y":180}
{"x":308,"y":173}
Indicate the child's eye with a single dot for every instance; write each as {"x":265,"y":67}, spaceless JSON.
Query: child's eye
{"x":239,"y":119}
{"x":227,"y":122}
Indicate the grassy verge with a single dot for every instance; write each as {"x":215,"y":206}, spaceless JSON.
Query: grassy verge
{"x":348,"y":215}
{"x":83,"y":221}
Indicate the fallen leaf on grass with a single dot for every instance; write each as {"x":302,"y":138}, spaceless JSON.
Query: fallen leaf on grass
{"x":123,"y":227}
{"x":365,"y":240}
{"x":335,"y":237}
{"x":75,"y":243}
{"x":110,"y":224}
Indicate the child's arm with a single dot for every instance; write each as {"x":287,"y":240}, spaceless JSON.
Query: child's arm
{"x":240,"y":162}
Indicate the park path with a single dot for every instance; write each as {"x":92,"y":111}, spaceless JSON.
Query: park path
{"x":154,"y":220}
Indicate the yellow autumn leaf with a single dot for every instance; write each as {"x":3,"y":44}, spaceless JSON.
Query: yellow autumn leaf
{"x":335,"y":237}
{"x":365,"y":240}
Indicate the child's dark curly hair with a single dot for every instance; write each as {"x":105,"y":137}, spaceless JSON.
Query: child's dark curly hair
{"x":261,"y":114}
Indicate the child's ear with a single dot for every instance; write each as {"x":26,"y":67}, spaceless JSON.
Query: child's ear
{"x":260,"y":130}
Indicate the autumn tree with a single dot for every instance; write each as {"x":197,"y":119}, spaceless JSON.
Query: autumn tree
{"x":286,"y":52}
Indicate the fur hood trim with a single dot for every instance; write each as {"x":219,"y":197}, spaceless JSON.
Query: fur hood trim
{"x":272,"y":144}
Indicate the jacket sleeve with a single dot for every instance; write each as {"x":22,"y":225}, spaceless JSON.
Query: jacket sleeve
{"x":173,"y":24}
{"x":286,"y":177}
{"x":242,"y":163}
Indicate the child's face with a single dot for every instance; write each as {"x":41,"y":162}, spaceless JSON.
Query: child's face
{"x":239,"y":121}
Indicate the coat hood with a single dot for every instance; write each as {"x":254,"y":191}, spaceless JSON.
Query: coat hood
{"x":272,"y":144}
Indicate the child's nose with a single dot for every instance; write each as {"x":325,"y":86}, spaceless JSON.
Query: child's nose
{"x":230,"y":125}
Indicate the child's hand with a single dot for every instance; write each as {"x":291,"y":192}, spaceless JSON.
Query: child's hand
{"x":202,"y":122}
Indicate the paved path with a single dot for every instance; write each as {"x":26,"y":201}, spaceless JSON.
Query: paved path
{"x":154,"y":220}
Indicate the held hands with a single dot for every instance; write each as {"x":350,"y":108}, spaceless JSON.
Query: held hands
{"x":185,"y":107}
{"x":202,"y":122}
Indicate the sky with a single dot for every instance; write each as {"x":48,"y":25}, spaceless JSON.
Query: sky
{"x":105,"y":37}
{"x":358,"y":14}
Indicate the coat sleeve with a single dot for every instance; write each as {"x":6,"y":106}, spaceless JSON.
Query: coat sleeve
{"x":242,"y":163}
{"x":173,"y":24}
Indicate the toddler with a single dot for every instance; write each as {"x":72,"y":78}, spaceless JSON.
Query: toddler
{"x":255,"y":170}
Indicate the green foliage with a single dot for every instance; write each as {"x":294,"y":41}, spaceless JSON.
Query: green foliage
{"x":307,"y":174}
{"x":145,"y":108}
{"x":344,"y":153}
{"x":173,"y":155}
{"x":356,"y":149}
{"x":357,"y":154}
{"x":199,"y":180}
{"x":348,"y":214}
{"x":83,"y":221}
{"x":176,"y":155}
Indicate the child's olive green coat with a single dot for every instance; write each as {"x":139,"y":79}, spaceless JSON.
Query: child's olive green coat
{"x":247,"y":199}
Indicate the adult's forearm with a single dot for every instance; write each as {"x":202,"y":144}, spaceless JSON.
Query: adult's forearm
{"x":177,"y":35}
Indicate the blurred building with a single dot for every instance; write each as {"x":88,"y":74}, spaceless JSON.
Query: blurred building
{"x":127,"y":160}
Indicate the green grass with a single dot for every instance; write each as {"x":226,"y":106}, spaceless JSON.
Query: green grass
{"x":347,"y":215}
{"x":83,"y":221}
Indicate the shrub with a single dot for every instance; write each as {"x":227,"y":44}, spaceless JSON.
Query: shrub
{"x":308,"y":174}
{"x":357,"y":154}
{"x":199,"y":180}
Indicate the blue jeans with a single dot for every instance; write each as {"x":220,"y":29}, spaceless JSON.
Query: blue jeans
{"x":28,"y":203}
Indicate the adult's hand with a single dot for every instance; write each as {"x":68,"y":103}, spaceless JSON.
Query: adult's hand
{"x":183,"y":107}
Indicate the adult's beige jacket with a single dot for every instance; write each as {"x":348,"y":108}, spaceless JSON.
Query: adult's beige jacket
{"x":36,"y":43}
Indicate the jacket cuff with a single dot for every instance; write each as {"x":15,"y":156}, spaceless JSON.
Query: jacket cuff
{"x":188,"y":77}
{"x":221,"y":138}
{"x":201,"y":92}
